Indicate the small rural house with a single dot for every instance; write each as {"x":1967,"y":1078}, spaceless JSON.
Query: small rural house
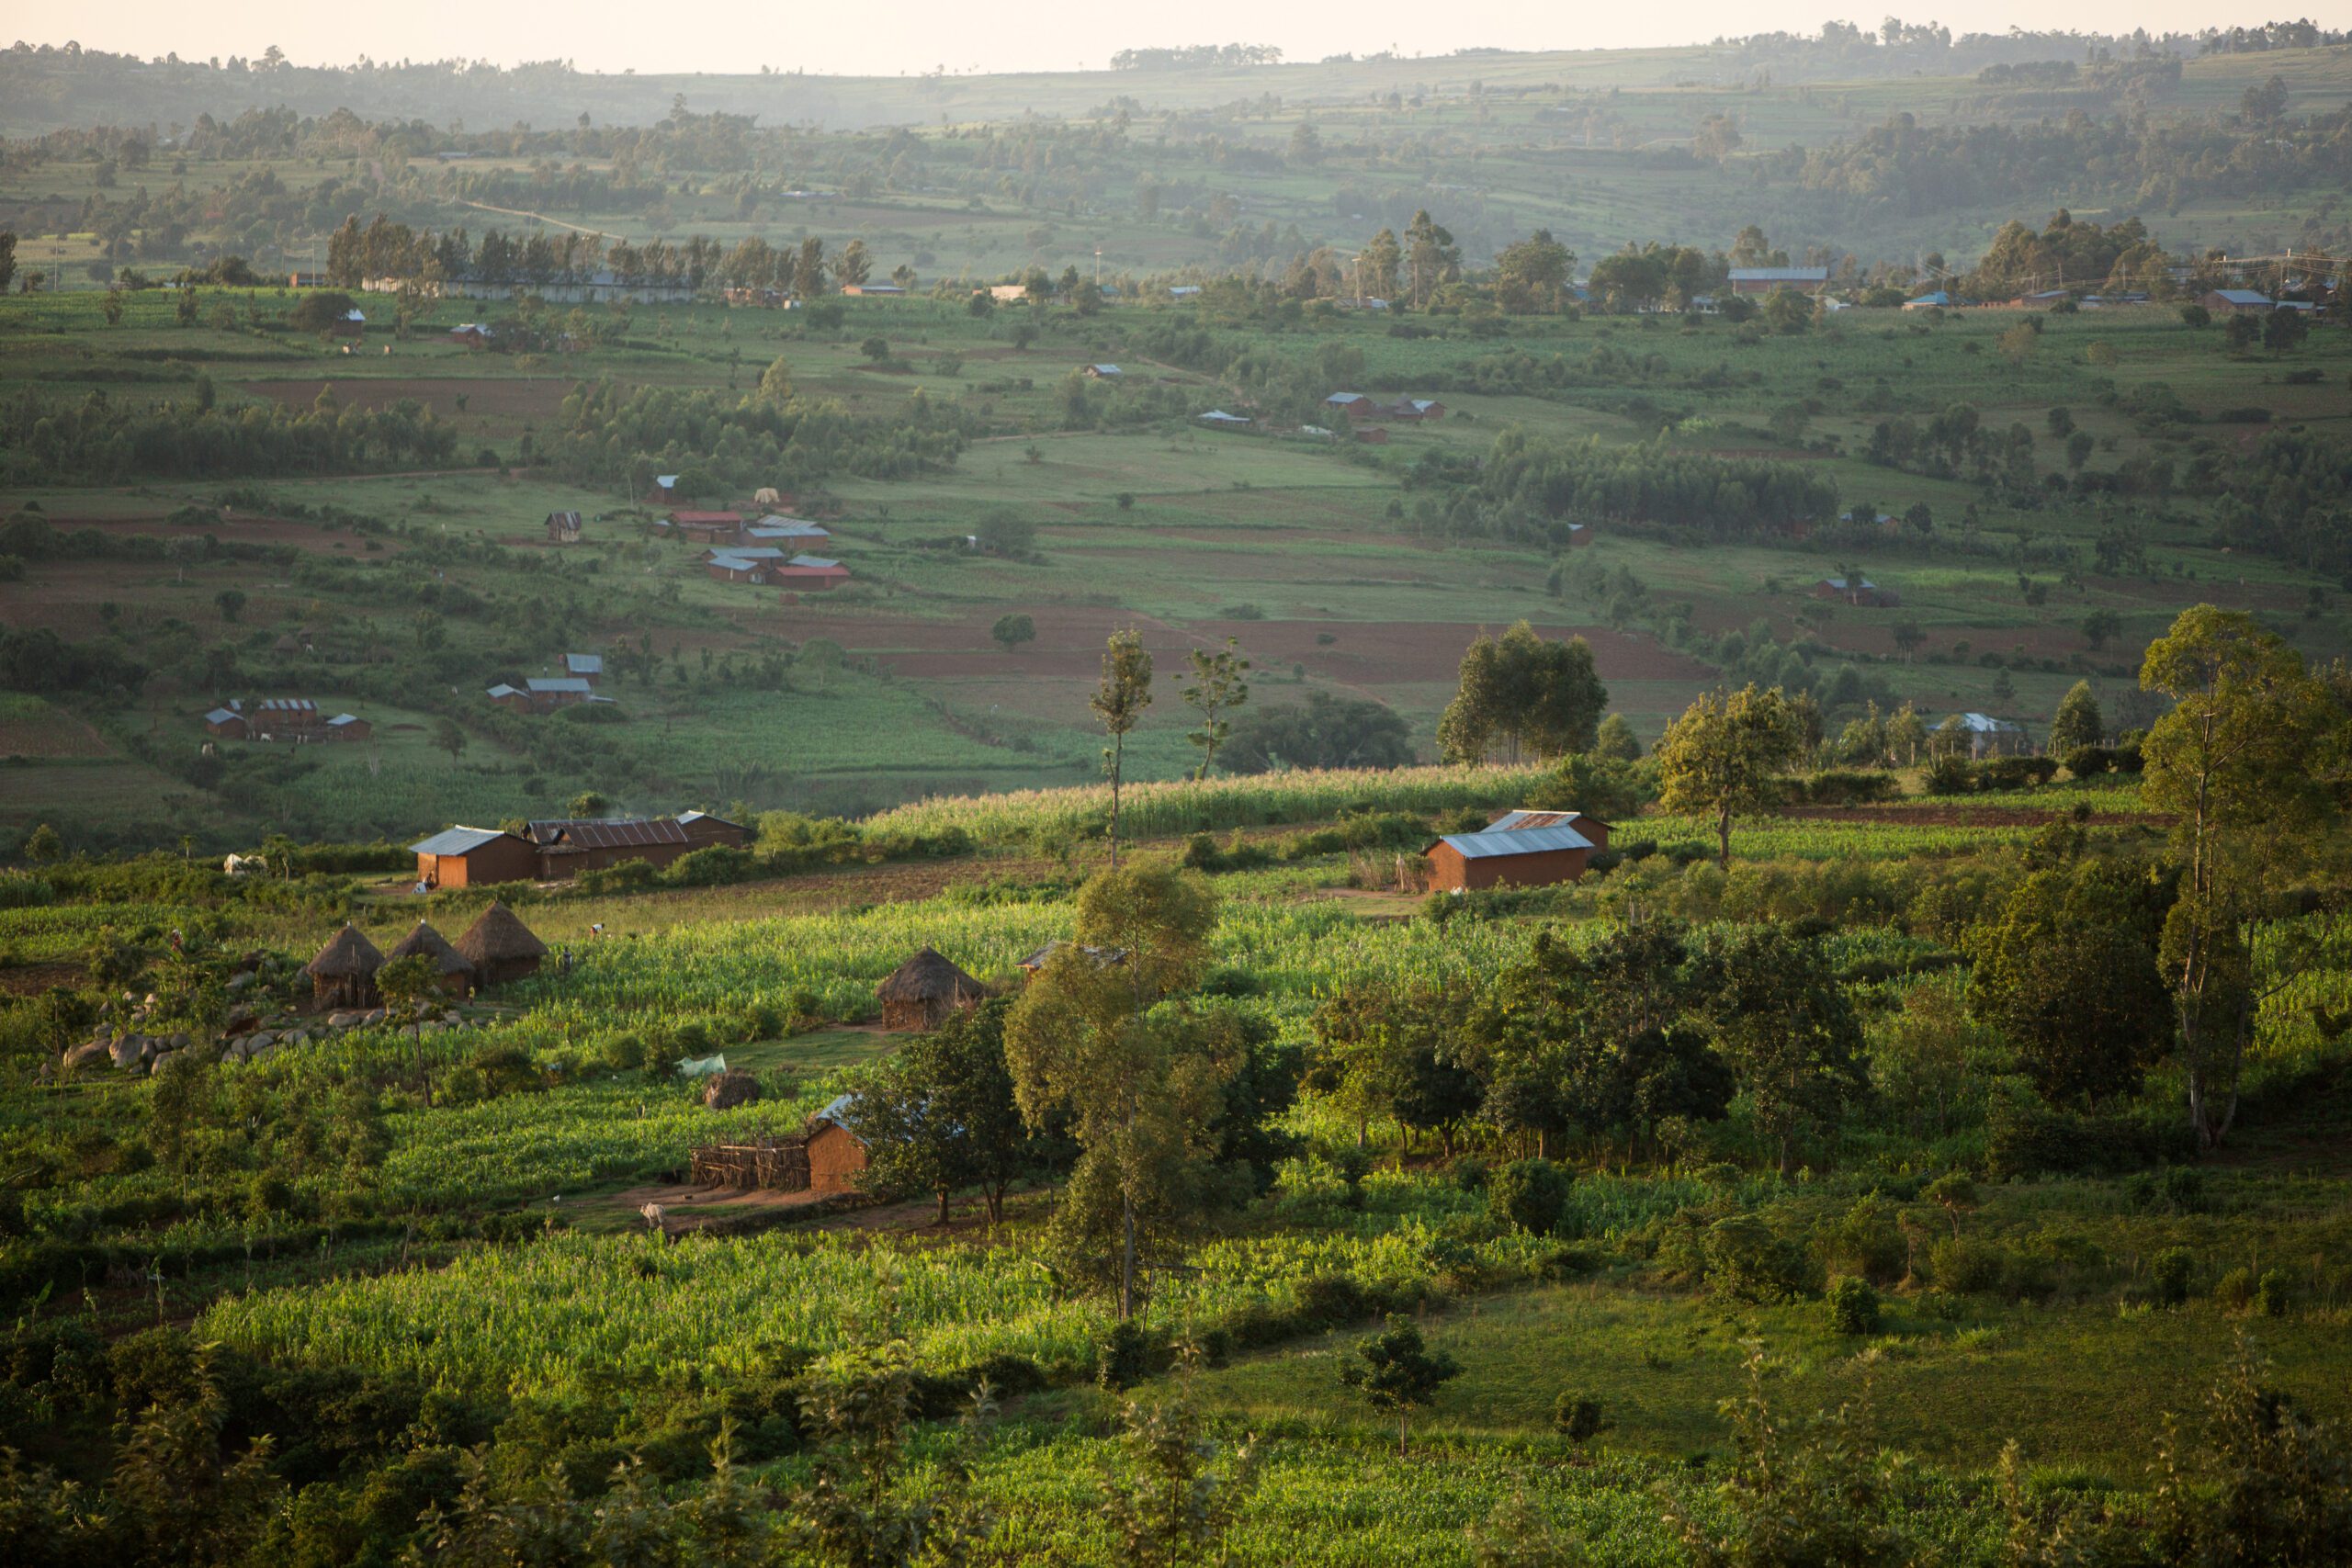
{"x":228,"y":724}
{"x":924,"y":992}
{"x":1580,"y":536}
{"x":569,"y":846}
{"x":1224,"y":420}
{"x":474,"y":857}
{"x":732,"y":566}
{"x":2235,"y":301}
{"x":1934,"y":300}
{"x":563,"y":527}
{"x":451,"y":969}
{"x":703,"y":830}
{"x":774,"y":529}
{"x":665,"y":487}
{"x":1104,"y":372}
{"x":813,"y":572}
{"x":1519,"y":849}
{"x":349,"y":727}
{"x":291,"y":719}
{"x":837,"y":1156}
{"x":1990,"y":737}
{"x":500,"y":947}
{"x":704,"y":527}
{"x":542,"y":693}
{"x":588,"y":667}
{"x":1355,"y":405}
{"x":1766,"y":279}
{"x":344,"y":973}
{"x":1859,"y":591}
{"x":471,"y":335}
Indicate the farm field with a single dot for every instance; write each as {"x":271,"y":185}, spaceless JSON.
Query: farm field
{"x":1492,"y":809}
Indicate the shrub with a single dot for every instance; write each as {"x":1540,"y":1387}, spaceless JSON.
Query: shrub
{"x":1577,"y":1417}
{"x":1471,"y":1173}
{"x":1746,"y":1261}
{"x":1864,"y":1241}
{"x":1964,"y":1266}
{"x":1853,"y":1306}
{"x":1326,"y":1300}
{"x":1530,"y":1193}
{"x":2089,"y":762}
{"x":2273,"y":1294}
{"x":2233,"y":1291}
{"x":1950,"y":775}
{"x":1846,"y":787}
{"x":1125,"y":1357}
{"x":2015,"y":772}
{"x":2169,"y":1274}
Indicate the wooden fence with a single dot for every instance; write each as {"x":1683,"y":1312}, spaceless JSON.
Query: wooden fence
{"x":776,"y":1164}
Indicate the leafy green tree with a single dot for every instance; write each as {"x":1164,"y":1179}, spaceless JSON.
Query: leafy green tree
{"x":2077,"y":721}
{"x":857,"y":1510}
{"x":940,"y":1115}
{"x":2100,"y":627}
{"x":1218,"y":687}
{"x":1615,"y":740}
{"x":1432,"y":258}
{"x":1142,"y":1090}
{"x":1323,"y":732}
{"x":775,"y":382}
{"x":183,"y":1497}
{"x":1170,"y":1506}
{"x":2067,"y":973}
{"x":1522,"y":693}
{"x":1011,"y":632}
{"x":588,"y":804}
{"x":823,"y":657}
{"x":43,"y":847}
{"x":1398,"y":1373}
{"x":318,"y":311}
{"x":1379,"y":268}
{"x":1533,"y":274}
{"x":1594,"y":785}
{"x":1387,"y":1049}
{"x":854,"y":266}
{"x":1791,"y":1034}
{"x":1725,"y":755}
{"x":449,"y":737}
{"x":2233,"y":763}
{"x":2284,"y":329}
{"x":1004,"y":531}
{"x":1119,"y":700}
{"x":876,"y":348}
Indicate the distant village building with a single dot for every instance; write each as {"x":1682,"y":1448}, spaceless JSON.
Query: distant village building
{"x":563,"y":527}
{"x":1104,"y":372}
{"x":588,"y":667}
{"x":704,"y":831}
{"x":1935,"y":300}
{"x":926,"y":991}
{"x":569,"y":846}
{"x":1990,"y":737}
{"x":453,"y":972}
{"x":1224,"y":420}
{"x":1754,"y":280}
{"x":837,"y":1156}
{"x":474,"y":857}
{"x":1521,"y":848}
{"x":347,"y":726}
{"x":343,"y":973}
{"x":2235,"y":301}
{"x":501,"y":947}
{"x":815,"y":573}
{"x":703,"y":527}
{"x":228,"y":724}
{"x":1860,"y":592}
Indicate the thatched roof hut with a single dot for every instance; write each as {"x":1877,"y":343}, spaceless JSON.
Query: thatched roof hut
{"x":453,"y":969}
{"x":501,"y":947}
{"x":924,"y":991}
{"x":344,"y":973}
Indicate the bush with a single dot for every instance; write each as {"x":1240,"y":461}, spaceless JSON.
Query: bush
{"x":1530,"y":1193}
{"x":1853,"y":1306}
{"x":1864,"y":1241}
{"x":1965,"y":1267}
{"x":1125,"y":1357}
{"x":2089,"y":762}
{"x":2015,"y":772}
{"x":1950,"y":775}
{"x":1326,"y":1301}
{"x":2169,"y":1274}
{"x":1577,"y":1417}
{"x":1471,"y":1173}
{"x":1845,"y":787}
{"x":2233,"y":1291}
{"x":1746,"y":1261}
{"x":2273,"y":1294}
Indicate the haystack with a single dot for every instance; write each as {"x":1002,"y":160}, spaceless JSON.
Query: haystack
{"x":730,"y":1088}
{"x":453,"y":969}
{"x":924,"y":991}
{"x":344,"y":973}
{"x":501,"y":947}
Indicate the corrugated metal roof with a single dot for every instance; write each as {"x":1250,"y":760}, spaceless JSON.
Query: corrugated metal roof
{"x":814,"y":563}
{"x":221,"y":716}
{"x":608,"y":833}
{"x":584,"y":663}
{"x":457,"y":841}
{"x":1985,"y":724}
{"x":2243,"y":296}
{"x":345,"y":718}
{"x":503,"y":690}
{"x":1516,"y":841}
{"x":1521,"y":821}
{"x":557,"y":683}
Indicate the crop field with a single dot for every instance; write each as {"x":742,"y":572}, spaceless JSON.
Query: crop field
{"x":1070,"y":1108}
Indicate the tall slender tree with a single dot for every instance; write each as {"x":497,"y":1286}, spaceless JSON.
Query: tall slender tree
{"x":1119,"y":703}
{"x":1218,"y":686}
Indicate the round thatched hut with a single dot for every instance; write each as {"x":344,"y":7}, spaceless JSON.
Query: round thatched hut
{"x":344,"y":973}
{"x":500,"y":947}
{"x":454,"y":970}
{"x":924,"y":991}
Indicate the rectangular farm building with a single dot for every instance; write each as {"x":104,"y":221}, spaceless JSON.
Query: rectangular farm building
{"x":474,"y":857}
{"x":1522,"y":848}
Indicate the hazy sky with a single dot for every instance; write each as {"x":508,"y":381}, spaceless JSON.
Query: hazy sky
{"x":922,"y":35}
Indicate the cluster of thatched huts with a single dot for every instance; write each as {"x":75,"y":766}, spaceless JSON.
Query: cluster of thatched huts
{"x":497,"y":948}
